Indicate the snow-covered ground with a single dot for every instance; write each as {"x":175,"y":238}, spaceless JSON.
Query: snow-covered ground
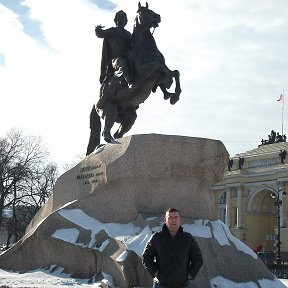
{"x":40,"y":278}
{"x":135,"y":239}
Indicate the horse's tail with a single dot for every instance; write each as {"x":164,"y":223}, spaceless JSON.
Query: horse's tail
{"x":95,"y":131}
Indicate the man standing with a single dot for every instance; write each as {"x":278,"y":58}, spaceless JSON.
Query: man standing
{"x":172,"y":256}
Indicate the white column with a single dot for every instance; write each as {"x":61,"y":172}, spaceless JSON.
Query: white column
{"x":239,"y":207}
{"x":227,"y":218}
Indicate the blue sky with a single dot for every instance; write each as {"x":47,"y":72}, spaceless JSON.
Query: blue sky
{"x":232,"y":57}
{"x":30,"y":26}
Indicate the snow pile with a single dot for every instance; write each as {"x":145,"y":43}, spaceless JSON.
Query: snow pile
{"x":57,"y":279}
{"x":220,"y":282}
{"x":135,"y":239}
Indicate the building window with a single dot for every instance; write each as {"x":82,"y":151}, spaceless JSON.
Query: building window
{"x":222,"y":199}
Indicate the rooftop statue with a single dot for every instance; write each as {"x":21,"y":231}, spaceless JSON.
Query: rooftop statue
{"x":132,"y":67}
{"x":273,"y":138}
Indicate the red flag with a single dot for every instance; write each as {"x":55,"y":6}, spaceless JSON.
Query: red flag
{"x":281,"y":98}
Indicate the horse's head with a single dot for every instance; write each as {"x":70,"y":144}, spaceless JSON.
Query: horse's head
{"x":147,"y":18}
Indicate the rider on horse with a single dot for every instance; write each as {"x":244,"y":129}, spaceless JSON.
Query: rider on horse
{"x":116,"y":45}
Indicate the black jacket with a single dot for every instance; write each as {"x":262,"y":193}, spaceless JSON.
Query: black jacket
{"x":172,"y":260}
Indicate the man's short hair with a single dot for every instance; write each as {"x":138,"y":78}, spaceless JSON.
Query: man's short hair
{"x":170,"y":210}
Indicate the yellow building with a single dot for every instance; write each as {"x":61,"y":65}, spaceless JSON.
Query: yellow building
{"x":243,"y":199}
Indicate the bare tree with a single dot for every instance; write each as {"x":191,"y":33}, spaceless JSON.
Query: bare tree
{"x":26,"y":180}
{"x":39,"y":186}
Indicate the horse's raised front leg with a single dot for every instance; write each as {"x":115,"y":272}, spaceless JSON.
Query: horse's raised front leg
{"x":174,"y":98}
{"x":166,"y":94}
{"x":127,"y":120}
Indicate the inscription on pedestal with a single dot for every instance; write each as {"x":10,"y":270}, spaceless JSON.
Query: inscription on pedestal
{"x":91,"y":174}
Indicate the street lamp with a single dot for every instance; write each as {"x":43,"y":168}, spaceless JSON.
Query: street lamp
{"x":276,"y":195}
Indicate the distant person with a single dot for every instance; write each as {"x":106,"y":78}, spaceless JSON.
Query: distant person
{"x":172,"y":256}
{"x":282,"y":155}
{"x":258,"y":249}
{"x":240,"y":162}
{"x":230,"y":164}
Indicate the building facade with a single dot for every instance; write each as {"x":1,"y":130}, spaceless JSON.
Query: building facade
{"x":244,"y":202}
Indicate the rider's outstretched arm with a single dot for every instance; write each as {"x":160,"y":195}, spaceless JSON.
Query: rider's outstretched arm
{"x":100,"y":33}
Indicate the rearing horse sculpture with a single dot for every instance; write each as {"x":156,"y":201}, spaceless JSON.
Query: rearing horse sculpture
{"x":149,"y":72}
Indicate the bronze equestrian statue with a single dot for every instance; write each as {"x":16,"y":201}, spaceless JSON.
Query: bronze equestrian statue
{"x":132,"y":67}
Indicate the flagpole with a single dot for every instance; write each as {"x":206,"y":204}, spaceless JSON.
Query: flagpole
{"x":282,"y":111}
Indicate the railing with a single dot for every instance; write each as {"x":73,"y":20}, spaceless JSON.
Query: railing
{"x":280,"y":270}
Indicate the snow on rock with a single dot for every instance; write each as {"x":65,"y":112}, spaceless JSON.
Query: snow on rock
{"x":122,"y":257}
{"x":220,"y":282}
{"x":136,"y":240}
{"x":68,"y":235}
